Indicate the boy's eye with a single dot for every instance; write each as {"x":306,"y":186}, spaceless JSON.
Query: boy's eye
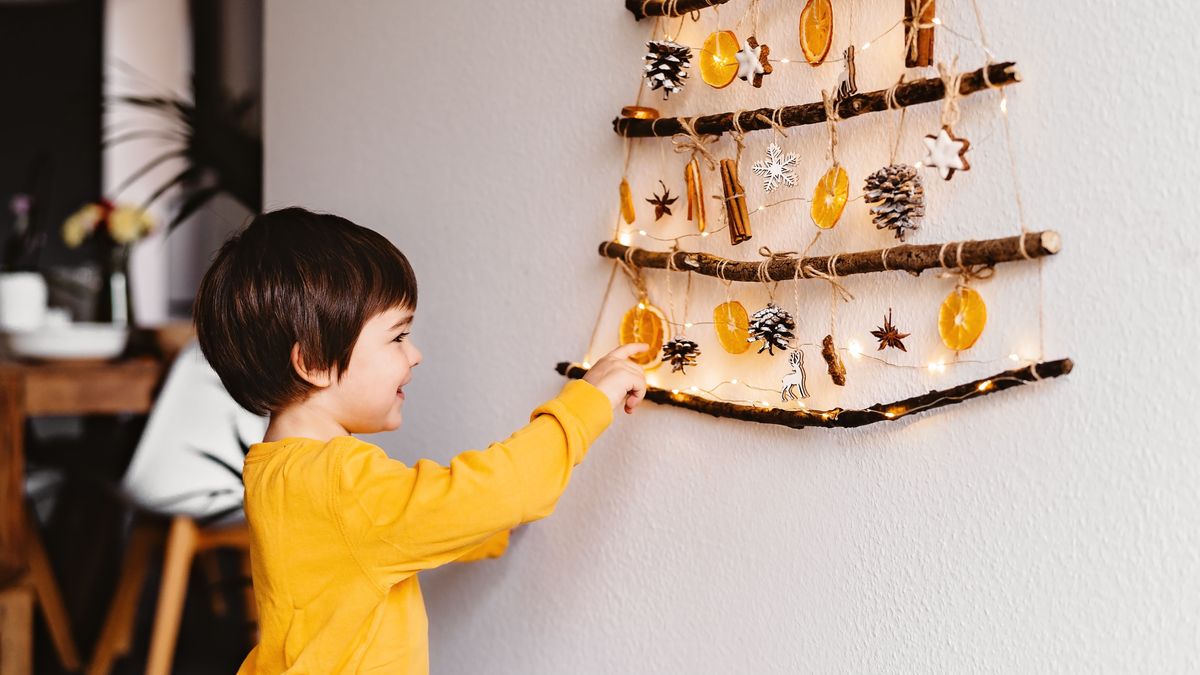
{"x":400,"y":337}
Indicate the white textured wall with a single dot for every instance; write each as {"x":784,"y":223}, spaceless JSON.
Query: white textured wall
{"x":1050,"y":529}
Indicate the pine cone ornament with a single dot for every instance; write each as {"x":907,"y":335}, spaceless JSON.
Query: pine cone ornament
{"x":665,"y":66}
{"x":773,"y":326}
{"x":681,"y":352}
{"x":900,"y":195}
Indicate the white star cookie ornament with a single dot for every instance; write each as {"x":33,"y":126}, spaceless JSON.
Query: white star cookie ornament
{"x":946,"y":153}
{"x":752,"y":61}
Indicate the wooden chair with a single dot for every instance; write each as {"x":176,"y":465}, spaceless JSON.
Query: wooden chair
{"x":185,"y":473}
{"x":185,"y":540}
{"x":17,"y":600}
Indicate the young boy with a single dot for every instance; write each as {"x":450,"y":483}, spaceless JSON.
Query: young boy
{"x":306,"y":317}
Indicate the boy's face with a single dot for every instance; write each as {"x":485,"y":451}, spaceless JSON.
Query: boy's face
{"x":367,"y":399}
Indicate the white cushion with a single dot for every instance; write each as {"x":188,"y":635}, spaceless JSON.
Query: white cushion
{"x":192,"y":417}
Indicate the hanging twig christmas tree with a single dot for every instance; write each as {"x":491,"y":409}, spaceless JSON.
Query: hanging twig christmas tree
{"x":896,"y":194}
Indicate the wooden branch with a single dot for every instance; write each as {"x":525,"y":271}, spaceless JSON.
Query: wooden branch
{"x":659,"y":7}
{"x":837,"y":417}
{"x":911,"y":258}
{"x":910,"y":93}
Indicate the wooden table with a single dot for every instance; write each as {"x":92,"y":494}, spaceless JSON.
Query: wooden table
{"x":31,"y":389}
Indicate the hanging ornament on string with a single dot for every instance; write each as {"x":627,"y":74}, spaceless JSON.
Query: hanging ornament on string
{"x":627,"y":212}
{"x":944,"y":151}
{"x":772,"y":326}
{"x":963,"y":313}
{"x":737,"y":216}
{"x":837,"y":369}
{"x":833,"y":189}
{"x":918,"y":32}
{"x":793,"y":383}
{"x":888,"y":335}
{"x":693,"y":176}
{"x":719,"y":60}
{"x":732,"y":325}
{"x":681,"y":353}
{"x":644,"y":323}
{"x":662,"y":203}
{"x":777,"y":169}
{"x":961,"y":319}
{"x":848,"y":84}
{"x":816,"y":30}
{"x":666,"y":66}
{"x":899,"y":196}
{"x":753,"y":63}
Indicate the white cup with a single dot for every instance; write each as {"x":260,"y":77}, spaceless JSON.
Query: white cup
{"x":22,"y":300}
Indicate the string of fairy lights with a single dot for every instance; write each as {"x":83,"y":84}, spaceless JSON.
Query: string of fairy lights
{"x":853,"y":348}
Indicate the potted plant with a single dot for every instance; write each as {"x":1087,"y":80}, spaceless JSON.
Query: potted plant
{"x":119,"y":226}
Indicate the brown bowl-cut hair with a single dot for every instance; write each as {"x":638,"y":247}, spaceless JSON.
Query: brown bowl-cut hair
{"x":294,"y":277}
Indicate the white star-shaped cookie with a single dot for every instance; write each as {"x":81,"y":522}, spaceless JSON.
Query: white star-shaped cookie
{"x":946,"y":153}
{"x":752,"y":61}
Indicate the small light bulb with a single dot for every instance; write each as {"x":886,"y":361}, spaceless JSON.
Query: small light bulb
{"x":1014,"y":356}
{"x":937,"y":21}
{"x":674,"y":391}
{"x":985,"y":385}
{"x":641,"y":305}
{"x":1004,"y":105}
{"x":801,"y":404}
{"x":695,"y":388}
{"x":760,"y":208}
{"x":919,"y":164}
{"x":866,"y":46}
{"x":688,"y":325}
{"x":623,"y":238}
{"x":733,"y":381}
{"x":938,"y":366}
{"x":889,"y":414}
{"x":785,"y":60}
{"x":703,"y":234}
{"x":642,"y":232}
{"x":587,"y":364}
{"x":855,"y":349}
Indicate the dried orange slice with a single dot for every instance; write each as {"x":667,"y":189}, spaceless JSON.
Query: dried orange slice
{"x":962,"y":318}
{"x":816,"y":30}
{"x":718,"y":59}
{"x":733,"y":326}
{"x":829,"y":197}
{"x":644,"y":323}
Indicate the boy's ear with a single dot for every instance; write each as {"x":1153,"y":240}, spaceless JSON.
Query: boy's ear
{"x":317,"y":378}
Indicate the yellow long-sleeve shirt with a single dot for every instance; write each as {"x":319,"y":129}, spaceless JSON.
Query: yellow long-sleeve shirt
{"x":339,"y":532}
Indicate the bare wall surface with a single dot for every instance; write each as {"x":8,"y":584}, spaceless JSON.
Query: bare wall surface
{"x":1054,"y":528}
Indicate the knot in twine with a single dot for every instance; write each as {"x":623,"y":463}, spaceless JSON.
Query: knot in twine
{"x":965,"y":273}
{"x":952,"y":81}
{"x":831,"y":118}
{"x":690,"y":141}
{"x":916,"y":24}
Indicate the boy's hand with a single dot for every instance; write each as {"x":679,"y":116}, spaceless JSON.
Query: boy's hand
{"x":619,"y":378}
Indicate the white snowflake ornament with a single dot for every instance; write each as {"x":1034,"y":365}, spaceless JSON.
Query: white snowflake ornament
{"x":777,"y":169}
{"x":946,"y":153}
{"x":752,"y":61}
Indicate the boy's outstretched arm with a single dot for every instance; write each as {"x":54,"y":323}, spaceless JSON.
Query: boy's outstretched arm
{"x":401,"y":520}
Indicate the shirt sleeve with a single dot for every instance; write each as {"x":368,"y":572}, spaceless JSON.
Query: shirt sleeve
{"x":400,"y":520}
{"x":493,"y":547}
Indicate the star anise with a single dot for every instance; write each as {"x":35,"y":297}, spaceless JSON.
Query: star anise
{"x":888,"y":335}
{"x":662,"y":205}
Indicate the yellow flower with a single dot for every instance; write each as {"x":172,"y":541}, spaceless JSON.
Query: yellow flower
{"x":127,"y":224}
{"x":81,"y":223}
